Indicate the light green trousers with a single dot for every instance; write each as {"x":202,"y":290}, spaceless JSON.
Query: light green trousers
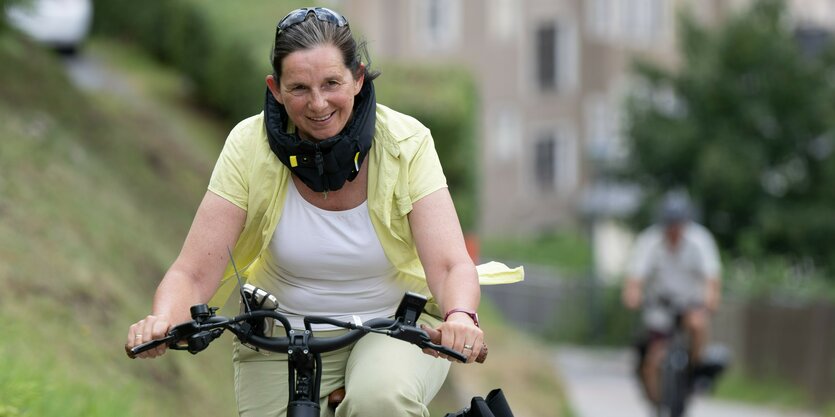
{"x":382,"y":376}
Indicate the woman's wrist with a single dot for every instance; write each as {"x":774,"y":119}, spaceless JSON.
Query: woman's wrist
{"x":463,"y":311}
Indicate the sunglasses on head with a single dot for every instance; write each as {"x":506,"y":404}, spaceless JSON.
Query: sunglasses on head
{"x":322,"y":13}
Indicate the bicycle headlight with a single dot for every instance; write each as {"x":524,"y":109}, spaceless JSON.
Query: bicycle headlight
{"x":259,"y":299}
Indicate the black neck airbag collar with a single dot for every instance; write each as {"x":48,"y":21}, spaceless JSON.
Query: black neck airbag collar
{"x":323,"y":165}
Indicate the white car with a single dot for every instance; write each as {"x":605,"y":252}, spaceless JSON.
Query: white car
{"x":61,"y":24}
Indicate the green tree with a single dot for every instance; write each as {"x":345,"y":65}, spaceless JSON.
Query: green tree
{"x":747,"y":124}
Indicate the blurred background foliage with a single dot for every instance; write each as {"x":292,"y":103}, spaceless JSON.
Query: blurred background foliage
{"x":3,"y":5}
{"x":746,"y":122}
{"x":224,"y":50}
{"x":567,"y":253}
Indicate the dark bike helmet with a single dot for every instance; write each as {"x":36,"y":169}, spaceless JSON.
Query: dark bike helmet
{"x":675,"y":208}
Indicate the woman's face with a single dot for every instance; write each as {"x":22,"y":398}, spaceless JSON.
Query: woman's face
{"x":318,"y":90}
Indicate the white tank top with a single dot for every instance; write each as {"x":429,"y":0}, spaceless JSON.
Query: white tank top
{"x":327,"y":263}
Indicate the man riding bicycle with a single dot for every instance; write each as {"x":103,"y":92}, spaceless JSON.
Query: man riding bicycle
{"x":674,"y":267}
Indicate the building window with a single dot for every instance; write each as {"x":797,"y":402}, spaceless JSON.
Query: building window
{"x":598,"y":17}
{"x":602,"y":124}
{"x":637,"y":21}
{"x":439,"y":23}
{"x":643,"y":20}
{"x":649,"y":19}
{"x":507,"y":125}
{"x":546,"y":55}
{"x":555,"y":57}
{"x":813,"y":13}
{"x":503,"y":19}
{"x":545,"y":160}
{"x":556,"y":162}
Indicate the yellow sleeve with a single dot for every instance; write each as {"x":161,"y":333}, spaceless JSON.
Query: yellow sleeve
{"x":425,"y":172}
{"x":230,"y":178}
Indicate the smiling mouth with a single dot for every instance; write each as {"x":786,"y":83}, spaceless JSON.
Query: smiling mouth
{"x":321,"y":119}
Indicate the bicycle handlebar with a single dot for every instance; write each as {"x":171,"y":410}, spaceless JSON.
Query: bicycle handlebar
{"x":206,"y":327}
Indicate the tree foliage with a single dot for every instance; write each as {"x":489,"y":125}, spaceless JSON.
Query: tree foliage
{"x":747,"y":124}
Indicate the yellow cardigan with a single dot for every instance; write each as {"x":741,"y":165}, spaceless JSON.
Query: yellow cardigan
{"x":403,"y":167}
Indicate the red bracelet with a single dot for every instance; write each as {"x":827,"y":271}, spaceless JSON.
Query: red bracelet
{"x":473,"y":315}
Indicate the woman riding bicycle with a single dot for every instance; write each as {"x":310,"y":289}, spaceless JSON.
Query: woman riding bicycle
{"x":337,"y":205}
{"x":674,"y":269}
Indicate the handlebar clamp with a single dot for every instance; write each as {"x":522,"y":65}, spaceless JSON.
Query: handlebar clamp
{"x":298,"y":342}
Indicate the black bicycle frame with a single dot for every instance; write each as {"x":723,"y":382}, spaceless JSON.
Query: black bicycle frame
{"x":675,"y":372}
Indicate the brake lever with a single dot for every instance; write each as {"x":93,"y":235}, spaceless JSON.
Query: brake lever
{"x":174,"y":335}
{"x":445,"y":350}
{"x":434,"y":337}
{"x":132,"y":352}
{"x":422,"y":339}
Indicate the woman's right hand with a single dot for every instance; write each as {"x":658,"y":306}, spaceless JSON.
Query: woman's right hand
{"x":150,"y":328}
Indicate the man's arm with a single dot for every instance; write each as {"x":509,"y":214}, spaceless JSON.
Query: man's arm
{"x":632,"y":294}
{"x":713,"y":294}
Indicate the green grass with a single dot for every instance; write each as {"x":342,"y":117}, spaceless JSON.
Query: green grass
{"x":35,"y":385}
{"x":96,"y":194}
{"x":765,"y":391}
{"x":779,"y":278}
{"x":772,"y":392}
{"x":567,"y":251}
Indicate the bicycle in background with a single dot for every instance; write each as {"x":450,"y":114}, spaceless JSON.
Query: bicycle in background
{"x":679,"y":376}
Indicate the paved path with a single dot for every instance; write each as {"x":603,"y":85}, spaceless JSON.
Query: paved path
{"x":599,"y":383}
{"x":89,"y":73}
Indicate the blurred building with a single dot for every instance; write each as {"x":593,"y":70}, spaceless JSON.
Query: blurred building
{"x":552,"y":75}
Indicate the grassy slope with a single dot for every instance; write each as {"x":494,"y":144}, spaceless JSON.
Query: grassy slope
{"x":96,"y":194}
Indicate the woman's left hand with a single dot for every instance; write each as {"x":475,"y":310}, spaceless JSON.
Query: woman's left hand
{"x":459,"y":334}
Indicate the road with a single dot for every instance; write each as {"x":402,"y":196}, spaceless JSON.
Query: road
{"x":599,"y":383}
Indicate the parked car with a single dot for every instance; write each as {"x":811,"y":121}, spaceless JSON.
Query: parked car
{"x":60,"y":24}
